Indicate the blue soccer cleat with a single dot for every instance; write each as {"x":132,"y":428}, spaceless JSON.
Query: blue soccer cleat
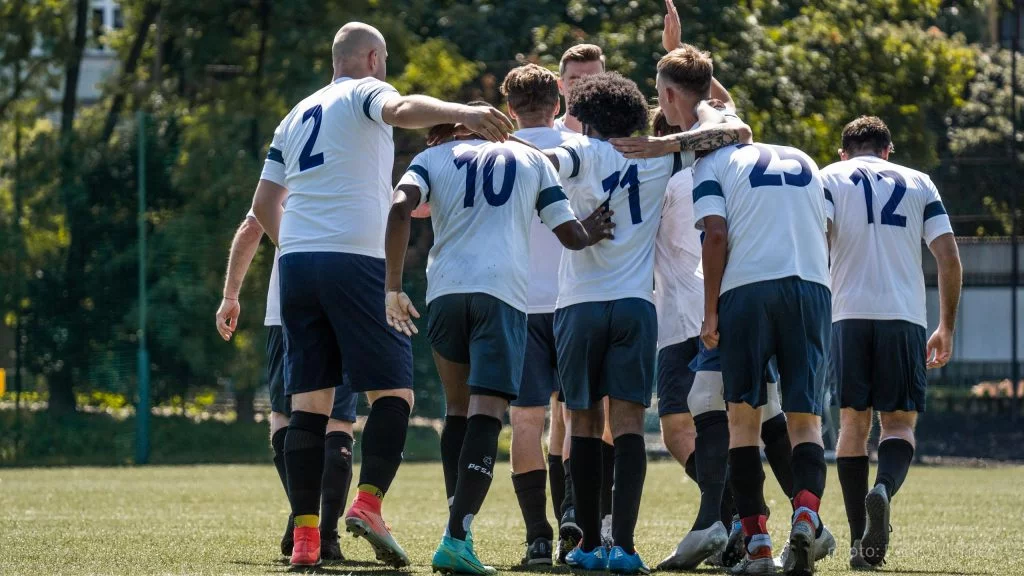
{"x":457,"y":557}
{"x":596,"y":559}
{"x":619,"y":562}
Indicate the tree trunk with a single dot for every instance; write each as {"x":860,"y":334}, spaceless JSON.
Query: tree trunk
{"x":61,"y":382}
{"x":244,"y":409}
{"x":149,"y":15}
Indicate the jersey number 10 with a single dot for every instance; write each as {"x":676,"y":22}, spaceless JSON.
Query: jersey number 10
{"x":471,"y":159}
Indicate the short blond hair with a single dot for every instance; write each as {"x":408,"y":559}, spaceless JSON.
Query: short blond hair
{"x":530,"y":89}
{"x":581,"y":53}
{"x":689,"y":69}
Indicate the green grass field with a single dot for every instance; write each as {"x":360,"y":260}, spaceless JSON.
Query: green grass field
{"x":228,"y":519}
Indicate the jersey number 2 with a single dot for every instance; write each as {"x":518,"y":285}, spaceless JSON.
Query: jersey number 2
{"x":899,"y":189}
{"x":471,"y":158}
{"x":630,"y":181}
{"x":759,"y":176}
{"x":307,"y":159}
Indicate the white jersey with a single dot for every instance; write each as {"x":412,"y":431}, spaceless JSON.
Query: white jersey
{"x":621,"y":267}
{"x":561,"y":127}
{"x":880,"y":212}
{"x":483,"y":197}
{"x":545,"y":249}
{"x":678,"y":291}
{"x":334,"y":154}
{"x":774,"y":204}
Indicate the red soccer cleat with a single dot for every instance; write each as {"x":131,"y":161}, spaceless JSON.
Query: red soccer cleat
{"x":364,"y":519}
{"x":306,"y":550}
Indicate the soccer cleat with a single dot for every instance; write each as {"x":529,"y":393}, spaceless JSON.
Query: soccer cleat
{"x":596,"y":559}
{"x":457,"y":557}
{"x":361,"y":521}
{"x":286,"y":539}
{"x":538,"y":553}
{"x":756,"y":563}
{"x":734,"y":550}
{"x":857,"y":560}
{"x":606,"y":532}
{"x":619,"y":562}
{"x":875,"y":541}
{"x":696,"y":547}
{"x":800,"y":560}
{"x":569,"y":535}
{"x":330,"y":547}
{"x":824,"y":546}
{"x":306,"y":551}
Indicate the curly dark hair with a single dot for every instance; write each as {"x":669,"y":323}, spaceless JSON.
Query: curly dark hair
{"x":609,"y":103}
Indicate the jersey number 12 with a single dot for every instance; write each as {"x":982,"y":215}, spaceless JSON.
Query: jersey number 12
{"x":899,"y":189}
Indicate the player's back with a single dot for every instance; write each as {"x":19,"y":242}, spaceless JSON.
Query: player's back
{"x":483,"y":198}
{"x":545,"y":249}
{"x":882,"y":211}
{"x":623,"y":266}
{"x":338,"y":156}
{"x":775,"y":211}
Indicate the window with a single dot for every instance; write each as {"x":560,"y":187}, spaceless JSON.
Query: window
{"x":104,"y":16}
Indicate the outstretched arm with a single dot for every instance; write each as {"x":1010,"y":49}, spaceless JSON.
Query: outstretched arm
{"x":398,"y":307}
{"x":703,"y":139}
{"x":418,"y":111}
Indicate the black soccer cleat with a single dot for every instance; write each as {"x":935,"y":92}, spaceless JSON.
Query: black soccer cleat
{"x":330,"y":547}
{"x":875,"y":542}
{"x":287,"y":543}
{"x":538,"y":553}
{"x":569,"y":534}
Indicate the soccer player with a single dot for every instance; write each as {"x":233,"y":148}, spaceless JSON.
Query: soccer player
{"x":605,"y":323}
{"x":483,"y":197}
{"x":532,"y":96}
{"x":882,"y":211}
{"x":338,"y":442}
{"x":765,"y":264}
{"x":578,"y":62}
{"x":332,"y":158}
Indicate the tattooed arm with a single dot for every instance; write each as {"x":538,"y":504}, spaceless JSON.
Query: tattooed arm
{"x":707,"y":137}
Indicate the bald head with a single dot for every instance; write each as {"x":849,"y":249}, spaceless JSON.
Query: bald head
{"x":359,"y":51}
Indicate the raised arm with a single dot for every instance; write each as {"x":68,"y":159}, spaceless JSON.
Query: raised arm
{"x":940,"y":345}
{"x":398,"y":307}
{"x":672,"y":38}
{"x":243,"y":248}
{"x":418,"y":111}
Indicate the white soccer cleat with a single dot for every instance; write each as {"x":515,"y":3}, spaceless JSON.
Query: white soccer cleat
{"x":696,"y":547}
{"x":824,"y":546}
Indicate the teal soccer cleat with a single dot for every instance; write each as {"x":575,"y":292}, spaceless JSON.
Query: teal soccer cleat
{"x":457,"y":557}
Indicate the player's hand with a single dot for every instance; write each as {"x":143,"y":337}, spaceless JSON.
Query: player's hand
{"x":645,"y":146}
{"x":444,"y":132}
{"x":489,"y":123}
{"x":400,"y":312}
{"x":672,"y":34}
{"x":227,"y":317}
{"x":421,"y":212}
{"x":940,"y":348}
{"x":599,"y":225}
{"x":709,"y":332}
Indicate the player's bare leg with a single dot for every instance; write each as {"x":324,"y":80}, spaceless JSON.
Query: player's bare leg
{"x":529,"y":480}
{"x":382,"y":443}
{"x":304,"y":466}
{"x":852,"y":464}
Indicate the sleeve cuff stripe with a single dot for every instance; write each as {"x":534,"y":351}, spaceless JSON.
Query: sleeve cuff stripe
{"x":575,"y":161}
{"x":828,"y":196}
{"x":369,"y":101}
{"x":549,"y":196}
{"x":934,"y":209}
{"x":275,"y":155}
{"x":707,"y":188}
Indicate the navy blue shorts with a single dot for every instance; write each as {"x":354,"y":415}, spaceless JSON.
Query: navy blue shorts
{"x":345,"y":399}
{"x":880,"y":364}
{"x":332,"y":307}
{"x":484,"y":332}
{"x":789,"y":318}
{"x":607,"y":349}
{"x":540,"y":366}
{"x":675,"y":377}
{"x":711,"y":361}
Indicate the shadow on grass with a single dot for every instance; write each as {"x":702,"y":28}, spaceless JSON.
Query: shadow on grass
{"x":939,"y":572}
